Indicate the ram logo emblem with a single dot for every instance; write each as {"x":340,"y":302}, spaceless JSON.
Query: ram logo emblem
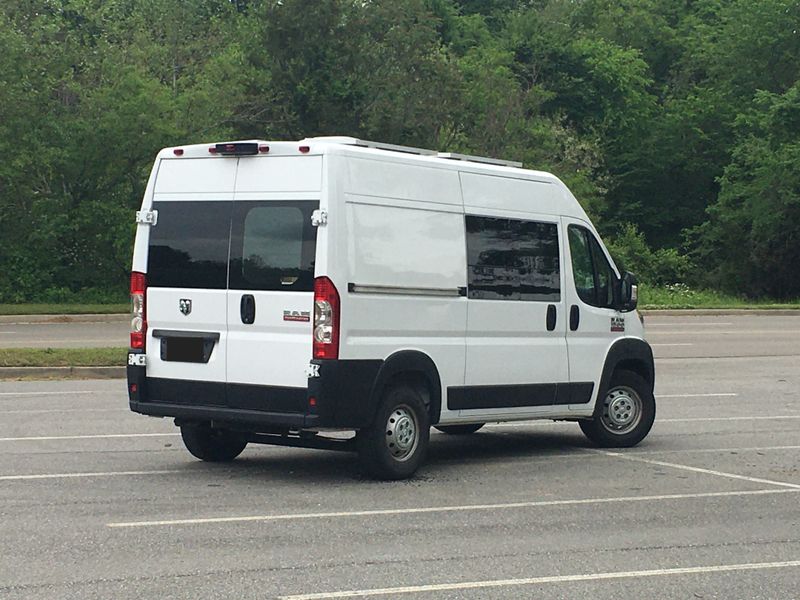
{"x":185,"y":305}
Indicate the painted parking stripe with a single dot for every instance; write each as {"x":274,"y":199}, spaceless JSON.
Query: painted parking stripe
{"x":472,"y":585}
{"x":81,"y":475}
{"x":443,"y":509}
{"x":713,"y":450}
{"x":754,"y":418}
{"x":686,"y":323}
{"x":734,"y":332}
{"x":37,"y":411}
{"x":85,"y":437}
{"x":671,"y":465}
{"x":67,"y":393}
{"x":714,"y":395}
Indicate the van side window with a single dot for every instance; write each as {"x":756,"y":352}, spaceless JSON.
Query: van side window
{"x":272,"y":246}
{"x":510,"y":259}
{"x":594,"y":278}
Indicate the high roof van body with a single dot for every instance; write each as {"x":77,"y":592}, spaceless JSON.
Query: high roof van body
{"x":282,"y":290}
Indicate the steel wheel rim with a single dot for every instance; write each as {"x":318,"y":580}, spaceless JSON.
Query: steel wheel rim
{"x":622,"y":410}
{"x":402,"y":433}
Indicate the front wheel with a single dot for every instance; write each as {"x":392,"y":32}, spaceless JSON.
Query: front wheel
{"x":395,"y":444}
{"x":626,"y":415}
{"x":212,"y":445}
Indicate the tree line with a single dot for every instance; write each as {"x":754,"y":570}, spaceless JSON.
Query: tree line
{"x":676,"y":124}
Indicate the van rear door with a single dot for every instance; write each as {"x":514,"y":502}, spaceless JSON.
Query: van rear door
{"x":271,"y":282}
{"x":187,"y":279}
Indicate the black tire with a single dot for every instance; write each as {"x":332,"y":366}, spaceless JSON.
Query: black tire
{"x":397,"y":442}
{"x":459,"y":429}
{"x":212,"y":445}
{"x":615,"y":424}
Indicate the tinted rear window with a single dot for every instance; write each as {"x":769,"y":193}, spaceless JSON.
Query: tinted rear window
{"x":273,"y":246}
{"x":189,"y":245}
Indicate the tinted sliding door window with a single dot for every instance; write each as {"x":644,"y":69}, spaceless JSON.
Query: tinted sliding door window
{"x":273,"y":246}
{"x":511,"y":259}
{"x":188,"y":246}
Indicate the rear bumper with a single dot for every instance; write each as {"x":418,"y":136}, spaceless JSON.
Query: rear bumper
{"x":339,"y":397}
{"x":251,"y":418}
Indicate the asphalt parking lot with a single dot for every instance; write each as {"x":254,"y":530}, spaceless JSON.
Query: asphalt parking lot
{"x":96,"y":502}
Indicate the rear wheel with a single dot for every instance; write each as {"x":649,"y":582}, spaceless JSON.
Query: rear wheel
{"x":396,"y":443}
{"x":212,"y":445}
{"x":626,"y":415}
{"x":459,"y":429}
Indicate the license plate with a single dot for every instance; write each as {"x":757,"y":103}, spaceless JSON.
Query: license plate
{"x":185,"y":349}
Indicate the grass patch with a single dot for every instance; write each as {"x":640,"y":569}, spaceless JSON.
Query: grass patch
{"x":63,"y":309}
{"x":63,"y":357}
{"x":679,"y":295}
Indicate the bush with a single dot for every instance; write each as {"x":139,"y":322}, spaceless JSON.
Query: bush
{"x":655,"y":267}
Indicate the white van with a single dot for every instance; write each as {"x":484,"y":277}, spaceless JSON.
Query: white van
{"x":283,"y":290}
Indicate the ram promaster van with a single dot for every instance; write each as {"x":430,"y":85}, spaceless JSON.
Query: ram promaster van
{"x":282,"y":291}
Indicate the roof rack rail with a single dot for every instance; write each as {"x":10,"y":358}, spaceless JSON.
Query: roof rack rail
{"x":480,"y":159}
{"x":351,"y":141}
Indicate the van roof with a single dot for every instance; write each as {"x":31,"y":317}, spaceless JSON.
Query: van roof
{"x":318,"y":145}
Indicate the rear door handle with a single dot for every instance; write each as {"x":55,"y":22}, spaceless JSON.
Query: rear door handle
{"x":551,"y":317}
{"x":247,"y":309}
{"x":574,"y":317}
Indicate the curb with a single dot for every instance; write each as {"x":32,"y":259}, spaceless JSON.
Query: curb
{"x":62,"y":372}
{"x":712,"y":312}
{"x":34,"y":319}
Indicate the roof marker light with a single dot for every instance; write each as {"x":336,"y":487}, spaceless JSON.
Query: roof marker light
{"x":212,"y":149}
{"x":263,"y":148}
{"x":178,"y":151}
{"x":305,"y":149}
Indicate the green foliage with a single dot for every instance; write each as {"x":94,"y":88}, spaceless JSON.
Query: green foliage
{"x":752,"y":240}
{"x":663,"y":266}
{"x":673,"y":121}
{"x":681,"y":296}
{"x":62,"y":357}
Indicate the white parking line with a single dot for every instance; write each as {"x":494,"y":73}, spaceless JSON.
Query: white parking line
{"x":471,"y":585}
{"x":85,"y":437}
{"x":35,"y":411}
{"x":77,"y":475}
{"x":53,"y":393}
{"x":720,"y":394}
{"x":734,"y":332}
{"x":670,"y":465}
{"x":754,"y":418}
{"x":712,"y":450}
{"x":681,"y":323}
{"x":442,"y":509}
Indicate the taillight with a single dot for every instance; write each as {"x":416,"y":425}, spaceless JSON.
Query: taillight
{"x":326,"y":319}
{"x":138,"y":310}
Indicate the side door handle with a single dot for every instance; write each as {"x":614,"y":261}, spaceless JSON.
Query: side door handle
{"x":574,"y":317}
{"x":551,"y":317}
{"x":247,"y":309}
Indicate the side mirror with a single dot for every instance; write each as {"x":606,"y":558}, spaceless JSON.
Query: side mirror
{"x":628,"y":292}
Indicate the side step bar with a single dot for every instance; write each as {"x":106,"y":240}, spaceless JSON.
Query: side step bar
{"x":293,"y":440}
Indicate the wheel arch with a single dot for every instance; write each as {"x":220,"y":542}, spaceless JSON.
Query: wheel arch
{"x":632,"y":354}
{"x":414,"y":368}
